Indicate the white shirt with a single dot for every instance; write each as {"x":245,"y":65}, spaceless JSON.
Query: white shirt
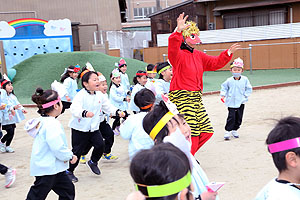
{"x":132,"y":130}
{"x":278,"y":191}
{"x":50,"y":153}
{"x":135,"y":90}
{"x":71,"y":87}
{"x":95,"y":103}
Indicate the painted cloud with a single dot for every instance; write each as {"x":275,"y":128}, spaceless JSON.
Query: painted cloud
{"x":6,"y":31}
{"x":58,"y":27}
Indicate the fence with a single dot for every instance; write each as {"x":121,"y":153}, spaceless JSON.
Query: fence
{"x":267,"y":54}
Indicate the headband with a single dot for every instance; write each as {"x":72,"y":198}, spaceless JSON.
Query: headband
{"x":163,"y":69}
{"x":141,"y":74}
{"x":146,"y":107}
{"x":284,"y":145}
{"x":76,"y":69}
{"x":151,"y":72}
{"x":165,"y":189}
{"x":160,"y":124}
{"x":84,"y":72}
{"x":51,"y":103}
{"x":3,"y":82}
{"x":115,"y":73}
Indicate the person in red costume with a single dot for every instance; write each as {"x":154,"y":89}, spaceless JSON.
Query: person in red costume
{"x":186,"y":86}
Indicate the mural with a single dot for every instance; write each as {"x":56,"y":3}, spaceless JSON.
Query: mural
{"x":23,"y":38}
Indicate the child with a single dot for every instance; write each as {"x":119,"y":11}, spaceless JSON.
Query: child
{"x":235,"y":90}
{"x":139,"y":81}
{"x":104,"y":127}
{"x":10,"y":175}
{"x":162,"y":172}
{"x":163,"y":121}
{"x":118,"y":97}
{"x":284,"y":144}
{"x":68,"y":79}
{"x":85,"y":121}
{"x":50,"y":154}
{"x":132,"y":128}
{"x":151,"y":74}
{"x":162,"y":84}
{"x":15,"y":115}
{"x":124,"y":77}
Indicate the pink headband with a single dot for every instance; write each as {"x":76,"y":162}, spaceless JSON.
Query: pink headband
{"x":51,"y":103}
{"x":284,"y":145}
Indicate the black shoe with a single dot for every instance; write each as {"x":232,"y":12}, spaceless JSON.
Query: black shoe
{"x":72,"y":177}
{"x":93,"y":167}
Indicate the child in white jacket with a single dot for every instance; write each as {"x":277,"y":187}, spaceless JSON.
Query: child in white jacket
{"x":50,"y":153}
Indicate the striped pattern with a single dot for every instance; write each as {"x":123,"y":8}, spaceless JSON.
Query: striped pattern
{"x":190,"y":104}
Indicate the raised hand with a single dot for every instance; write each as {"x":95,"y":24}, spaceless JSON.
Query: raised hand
{"x":181,"y":22}
{"x":234,"y":48}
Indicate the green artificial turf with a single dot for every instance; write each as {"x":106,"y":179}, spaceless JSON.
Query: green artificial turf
{"x":212,"y":80}
{"x":42,"y":70}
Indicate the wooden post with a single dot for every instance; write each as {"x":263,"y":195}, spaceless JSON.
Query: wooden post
{"x":3,"y":63}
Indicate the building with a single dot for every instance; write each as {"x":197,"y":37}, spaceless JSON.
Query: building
{"x":87,"y":17}
{"x":225,"y":14}
{"x":138,"y":10}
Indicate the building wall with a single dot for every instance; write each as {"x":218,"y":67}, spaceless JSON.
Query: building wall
{"x":131,"y":4}
{"x":102,"y":12}
{"x":263,"y":57}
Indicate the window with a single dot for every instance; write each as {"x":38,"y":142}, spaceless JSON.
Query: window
{"x":141,"y":13}
{"x":255,"y":18}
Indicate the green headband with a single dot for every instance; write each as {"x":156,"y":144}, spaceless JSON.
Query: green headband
{"x":166,"y":189}
{"x":163,"y":69}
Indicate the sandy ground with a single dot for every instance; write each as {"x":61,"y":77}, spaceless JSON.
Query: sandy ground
{"x":243,"y":163}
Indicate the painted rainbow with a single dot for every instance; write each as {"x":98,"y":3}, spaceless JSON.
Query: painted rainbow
{"x":18,"y":23}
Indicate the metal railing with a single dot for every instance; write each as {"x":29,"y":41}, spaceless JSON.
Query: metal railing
{"x":250,"y":48}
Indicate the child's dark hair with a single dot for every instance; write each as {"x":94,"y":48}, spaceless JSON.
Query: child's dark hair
{"x":41,"y":97}
{"x":150,"y":67}
{"x":67,"y":73}
{"x":135,"y":81}
{"x":85,"y":76}
{"x":111,"y":82}
{"x":144,"y":98}
{"x":153,"y":117}
{"x":160,"y":66}
{"x":285,"y":129}
{"x":162,"y":164}
{"x":4,"y":83}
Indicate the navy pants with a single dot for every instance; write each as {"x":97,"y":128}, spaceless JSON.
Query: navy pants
{"x":60,"y":183}
{"x":235,"y":117}
{"x":81,"y":141}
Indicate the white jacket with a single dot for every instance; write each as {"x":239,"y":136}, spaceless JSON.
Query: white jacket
{"x":95,"y":103}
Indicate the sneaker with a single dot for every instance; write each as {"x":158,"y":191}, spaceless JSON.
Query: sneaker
{"x":93,"y":167}
{"x":227,"y":135}
{"x":82,"y":160}
{"x":71,"y":176}
{"x":2,"y":147}
{"x":109,"y":157}
{"x":235,"y":134}
{"x":9,"y":149}
{"x":10,"y":177}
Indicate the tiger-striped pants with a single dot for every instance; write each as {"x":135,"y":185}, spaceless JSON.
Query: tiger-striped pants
{"x":190,"y":104}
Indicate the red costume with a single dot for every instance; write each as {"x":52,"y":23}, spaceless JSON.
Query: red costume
{"x":188,"y":65}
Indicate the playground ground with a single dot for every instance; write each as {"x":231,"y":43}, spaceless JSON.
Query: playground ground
{"x":244,"y":163}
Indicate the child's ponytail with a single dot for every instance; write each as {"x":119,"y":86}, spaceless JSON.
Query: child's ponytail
{"x":41,"y":97}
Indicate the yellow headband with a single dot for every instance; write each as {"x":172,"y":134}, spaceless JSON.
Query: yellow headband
{"x":160,"y":124}
{"x":163,"y":69}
